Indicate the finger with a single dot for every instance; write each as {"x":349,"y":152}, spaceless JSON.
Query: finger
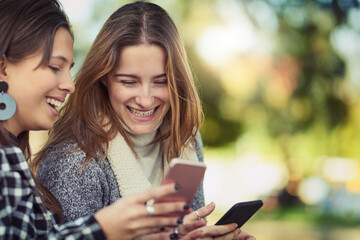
{"x":150,"y":233}
{"x":193,"y":235}
{"x":203,"y":212}
{"x":155,"y":236}
{"x":173,"y":210}
{"x":245,"y":236}
{"x":170,"y":208}
{"x":153,"y":222}
{"x":218,"y":230}
{"x":156,"y":192}
{"x":161,"y":236}
{"x":186,"y":228}
{"x":229,"y":236}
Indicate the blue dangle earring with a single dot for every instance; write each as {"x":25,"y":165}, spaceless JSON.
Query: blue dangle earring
{"x":7,"y":103}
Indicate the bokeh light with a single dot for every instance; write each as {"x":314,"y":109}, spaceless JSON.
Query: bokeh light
{"x":313,"y":190}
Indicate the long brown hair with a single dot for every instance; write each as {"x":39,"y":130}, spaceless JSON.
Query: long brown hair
{"x":88,"y":115}
{"x":27,"y":26}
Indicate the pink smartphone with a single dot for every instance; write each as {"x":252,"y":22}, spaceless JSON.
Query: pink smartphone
{"x":189,"y":174}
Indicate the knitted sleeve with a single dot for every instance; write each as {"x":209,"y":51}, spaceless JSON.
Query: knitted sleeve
{"x":81,"y":191}
{"x":199,"y":199}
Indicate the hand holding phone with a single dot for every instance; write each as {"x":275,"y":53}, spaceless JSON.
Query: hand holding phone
{"x":188,"y":174}
{"x":240,"y":213}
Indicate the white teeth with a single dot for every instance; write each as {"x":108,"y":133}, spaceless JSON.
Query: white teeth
{"x":53,"y":102}
{"x":141,"y":113}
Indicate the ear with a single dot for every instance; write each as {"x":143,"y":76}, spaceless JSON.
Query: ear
{"x":3,"y":65}
{"x":104,"y":80}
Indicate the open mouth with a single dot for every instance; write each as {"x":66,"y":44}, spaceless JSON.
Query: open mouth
{"x":142,"y":113}
{"x":53,"y":102}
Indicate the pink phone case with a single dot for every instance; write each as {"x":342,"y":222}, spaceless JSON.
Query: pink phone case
{"x":188,"y":174}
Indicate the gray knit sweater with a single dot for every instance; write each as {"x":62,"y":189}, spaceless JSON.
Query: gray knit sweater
{"x":85,"y":191}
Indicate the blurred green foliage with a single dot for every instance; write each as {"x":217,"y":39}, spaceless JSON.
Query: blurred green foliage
{"x":303,"y":101}
{"x":292,"y":97}
{"x":297,"y":99}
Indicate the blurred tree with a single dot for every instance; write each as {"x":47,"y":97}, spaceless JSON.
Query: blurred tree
{"x":216,"y":130}
{"x":301,"y":98}
{"x":312,"y":74}
{"x":297,"y":94}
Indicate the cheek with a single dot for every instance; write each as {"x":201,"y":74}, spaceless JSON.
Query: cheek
{"x":118,"y":97}
{"x":165,"y":97}
{"x":166,"y":100}
{"x":42,"y":82}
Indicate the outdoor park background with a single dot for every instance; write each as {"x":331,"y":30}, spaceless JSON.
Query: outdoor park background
{"x":280,"y":85}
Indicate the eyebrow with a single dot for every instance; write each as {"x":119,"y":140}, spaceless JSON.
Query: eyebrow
{"x":137,"y":77}
{"x":64,"y":59}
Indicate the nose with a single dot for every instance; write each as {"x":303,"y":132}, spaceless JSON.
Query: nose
{"x":67,"y":84}
{"x":145,"y":97}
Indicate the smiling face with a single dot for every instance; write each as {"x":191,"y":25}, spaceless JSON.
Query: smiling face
{"x":138,"y":88}
{"x":39,"y":90}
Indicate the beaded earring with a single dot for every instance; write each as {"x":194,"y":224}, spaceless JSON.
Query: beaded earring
{"x":7,"y":102}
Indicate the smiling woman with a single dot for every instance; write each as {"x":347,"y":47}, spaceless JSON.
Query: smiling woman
{"x":40,"y":89}
{"x":36,"y":54}
{"x":135,"y":106}
{"x":135,"y":109}
{"x":138,"y":88}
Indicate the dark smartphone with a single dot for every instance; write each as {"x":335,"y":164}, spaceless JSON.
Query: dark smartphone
{"x":240,"y":213}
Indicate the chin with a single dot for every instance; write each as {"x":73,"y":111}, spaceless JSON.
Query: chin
{"x":45,"y":126}
{"x":142,"y":131}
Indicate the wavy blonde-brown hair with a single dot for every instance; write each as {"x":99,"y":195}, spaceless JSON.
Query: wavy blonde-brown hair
{"x":88,"y":115}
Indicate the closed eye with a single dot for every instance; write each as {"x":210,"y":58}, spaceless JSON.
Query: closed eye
{"x":161,"y":82}
{"x":55,"y":69}
{"x":128,"y":82}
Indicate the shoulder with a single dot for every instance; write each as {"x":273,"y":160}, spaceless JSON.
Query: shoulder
{"x":66,"y":153}
{"x":11,"y":152}
{"x":67,"y":145}
{"x":198,"y":145}
{"x":63,"y":172}
{"x":199,"y":142}
{"x":66,"y":157}
{"x":12,"y":159}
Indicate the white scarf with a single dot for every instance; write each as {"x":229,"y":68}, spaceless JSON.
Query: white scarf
{"x":127,"y":168}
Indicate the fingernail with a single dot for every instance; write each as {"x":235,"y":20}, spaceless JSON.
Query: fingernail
{"x":177,"y":186}
{"x":179,"y":221}
{"x":187,"y":206}
{"x":174,"y":236}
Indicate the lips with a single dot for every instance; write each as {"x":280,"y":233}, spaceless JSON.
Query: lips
{"x":53,"y":102}
{"x":142,"y":113}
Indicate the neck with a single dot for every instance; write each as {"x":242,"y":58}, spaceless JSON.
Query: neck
{"x":132,"y":134}
{"x":7,"y":137}
{"x":12,"y":127}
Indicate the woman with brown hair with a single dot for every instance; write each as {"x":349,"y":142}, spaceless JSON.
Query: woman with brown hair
{"x":36,"y":54}
{"x":135,"y":109}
